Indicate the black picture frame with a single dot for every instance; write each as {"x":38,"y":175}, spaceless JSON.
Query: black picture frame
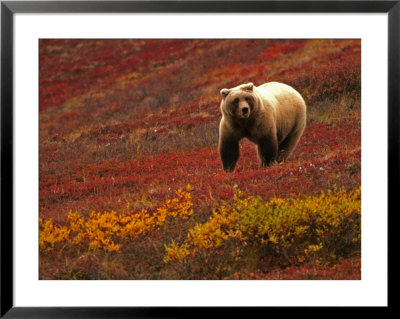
{"x":9,"y":8}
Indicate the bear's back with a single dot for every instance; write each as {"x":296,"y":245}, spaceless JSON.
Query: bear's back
{"x":289,"y":106}
{"x":278,"y":90}
{"x":282,"y":96}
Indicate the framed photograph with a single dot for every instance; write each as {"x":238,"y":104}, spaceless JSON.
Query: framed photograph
{"x":163,"y":155}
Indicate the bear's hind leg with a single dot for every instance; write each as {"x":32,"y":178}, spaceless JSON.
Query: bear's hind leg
{"x":267,"y":151}
{"x":287,"y":146}
{"x":229,"y":151}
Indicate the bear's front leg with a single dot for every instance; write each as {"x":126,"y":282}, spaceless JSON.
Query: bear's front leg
{"x":229,"y":151}
{"x":267,"y":150}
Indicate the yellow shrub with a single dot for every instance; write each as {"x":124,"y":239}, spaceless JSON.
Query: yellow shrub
{"x":181,"y":205}
{"x":50,"y":235}
{"x":295,"y":229}
{"x":215,"y":231}
{"x":174,"y":252}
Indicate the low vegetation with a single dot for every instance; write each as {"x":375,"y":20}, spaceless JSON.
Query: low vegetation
{"x":130,"y":181}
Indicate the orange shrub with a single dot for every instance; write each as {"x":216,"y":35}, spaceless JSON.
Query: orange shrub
{"x":108,"y":230}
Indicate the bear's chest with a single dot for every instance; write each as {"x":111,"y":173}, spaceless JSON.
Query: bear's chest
{"x":247,"y":133}
{"x":245,"y":129}
{"x":242,"y":125}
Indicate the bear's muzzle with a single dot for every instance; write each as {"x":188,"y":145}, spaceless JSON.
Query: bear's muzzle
{"x":245,"y":112}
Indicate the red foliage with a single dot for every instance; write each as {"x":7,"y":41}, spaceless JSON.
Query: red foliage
{"x":342,"y":270}
{"x":123,"y":120}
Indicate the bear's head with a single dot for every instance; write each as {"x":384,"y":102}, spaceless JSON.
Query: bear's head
{"x":239,"y":102}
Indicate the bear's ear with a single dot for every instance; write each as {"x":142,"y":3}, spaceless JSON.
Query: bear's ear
{"x":224,"y":92}
{"x":248,"y":87}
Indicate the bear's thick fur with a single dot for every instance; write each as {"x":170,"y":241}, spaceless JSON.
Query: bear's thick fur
{"x":272,"y":115}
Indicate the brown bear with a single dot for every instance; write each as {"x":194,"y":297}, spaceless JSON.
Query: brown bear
{"x":272,"y":115}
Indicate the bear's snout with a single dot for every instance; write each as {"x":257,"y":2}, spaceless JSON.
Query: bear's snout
{"x":245,"y":111}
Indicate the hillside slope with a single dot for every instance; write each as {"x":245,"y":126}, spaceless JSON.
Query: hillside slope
{"x":124,"y":124}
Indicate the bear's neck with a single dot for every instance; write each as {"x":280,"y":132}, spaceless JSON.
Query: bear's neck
{"x":243,"y":123}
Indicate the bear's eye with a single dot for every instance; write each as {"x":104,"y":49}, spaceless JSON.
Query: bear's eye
{"x":249,"y":100}
{"x":235,"y":101}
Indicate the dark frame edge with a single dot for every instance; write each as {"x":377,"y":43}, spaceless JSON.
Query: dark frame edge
{"x":393,"y":120}
{"x":6,"y":217}
{"x":249,"y":6}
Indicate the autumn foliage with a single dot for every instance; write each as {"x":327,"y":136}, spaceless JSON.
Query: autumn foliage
{"x":131,"y":185}
{"x":104,"y":230}
{"x":315,"y":229}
